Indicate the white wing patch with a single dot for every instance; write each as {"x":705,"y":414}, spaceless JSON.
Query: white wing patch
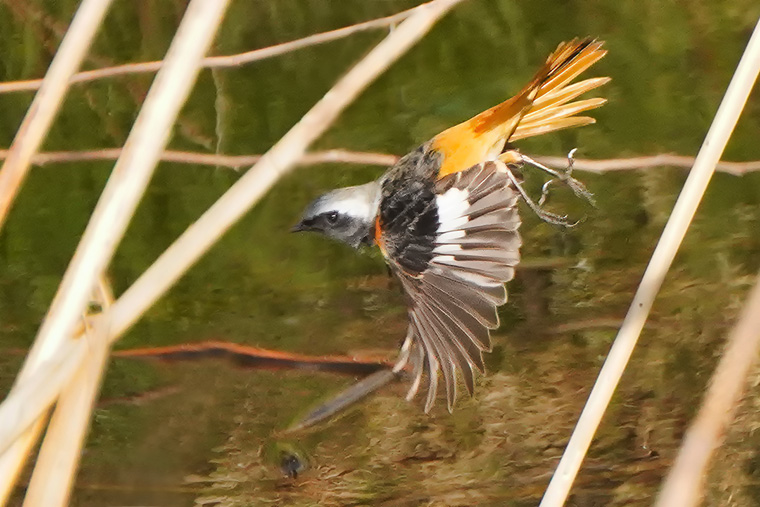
{"x":452,"y":209}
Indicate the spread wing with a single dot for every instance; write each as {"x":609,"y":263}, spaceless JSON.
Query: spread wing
{"x":452,"y":247}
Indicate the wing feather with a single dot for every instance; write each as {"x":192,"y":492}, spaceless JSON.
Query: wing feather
{"x":435,"y":335}
{"x":418,"y":368}
{"x":457,"y":355}
{"x":470,"y":336}
{"x":453,"y":300}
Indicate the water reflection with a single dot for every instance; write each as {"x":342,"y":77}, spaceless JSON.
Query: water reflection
{"x":210,"y":435}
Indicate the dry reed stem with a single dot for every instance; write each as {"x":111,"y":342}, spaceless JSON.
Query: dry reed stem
{"x":386,"y":159}
{"x":227,"y":61}
{"x":230,"y":161}
{"x":27,"y":401}
{"x":61,"y":449}
{"x":30,"y":135}
{"x":116,"y":205}
{"x":672,"y":236}
{"x":196,"y":240}
{"x":46,"y":103}
{"x":58,"y":459}
{"x":647,"y":162}
{"x":684,"y":484}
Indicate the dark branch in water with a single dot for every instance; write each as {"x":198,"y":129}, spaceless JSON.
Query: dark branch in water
{"x":254,"y":357}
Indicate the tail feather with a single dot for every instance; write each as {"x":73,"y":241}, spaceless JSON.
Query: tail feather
{"x":580,"y":56}
{"x":566,"y":94}
{"x":544,"y":105}
{"x":564,"y":111}
{"x":537,"y":129}
{"x":550,"y":110}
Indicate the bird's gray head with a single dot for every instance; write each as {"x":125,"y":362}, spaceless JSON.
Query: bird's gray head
{"x":346,"y":214}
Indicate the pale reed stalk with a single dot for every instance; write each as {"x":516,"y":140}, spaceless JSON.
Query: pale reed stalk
{"x":61,"y":449}
{"x":116,"y":205}
{"x":48,"y":100}
{"x":675,"y":230}
{"x":238,"y":199}
{"x":280,"y":159}
{"x":685,"y":481}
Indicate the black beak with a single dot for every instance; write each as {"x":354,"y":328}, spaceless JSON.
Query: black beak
{"x":307,"y":224}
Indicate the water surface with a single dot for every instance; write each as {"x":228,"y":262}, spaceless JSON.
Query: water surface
{"x":206,"y":432}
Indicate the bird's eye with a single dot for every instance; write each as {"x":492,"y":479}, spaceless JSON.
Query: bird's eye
{"x":332,"y":217}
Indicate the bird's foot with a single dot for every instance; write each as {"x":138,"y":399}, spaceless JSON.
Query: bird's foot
{"x":564,"y":176}
{"x":546,"y":216}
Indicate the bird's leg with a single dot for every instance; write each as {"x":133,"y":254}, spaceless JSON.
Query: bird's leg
{"x":544,"y":215}
{"x":578,"y":188}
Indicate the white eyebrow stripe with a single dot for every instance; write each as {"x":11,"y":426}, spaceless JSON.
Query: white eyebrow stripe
{"x":354,"y":206}
{"x":358,"y":202}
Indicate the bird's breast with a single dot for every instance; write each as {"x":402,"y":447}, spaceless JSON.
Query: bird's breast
{"x":407,"y":223}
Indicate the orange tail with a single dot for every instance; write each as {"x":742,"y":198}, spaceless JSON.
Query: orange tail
{"x":544,"y":105}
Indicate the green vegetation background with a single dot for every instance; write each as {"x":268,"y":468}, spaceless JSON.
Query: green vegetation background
{"x":670,"y":62}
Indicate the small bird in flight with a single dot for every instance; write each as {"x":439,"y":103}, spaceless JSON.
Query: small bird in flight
{"x":445,"y":218}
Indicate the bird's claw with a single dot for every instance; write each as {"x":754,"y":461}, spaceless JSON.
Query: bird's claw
{"x":546,"y":216}
{"x":564,"y":176}
{"x":545,"y":191}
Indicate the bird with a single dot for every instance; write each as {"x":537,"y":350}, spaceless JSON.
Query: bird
{"x":445,"y":218}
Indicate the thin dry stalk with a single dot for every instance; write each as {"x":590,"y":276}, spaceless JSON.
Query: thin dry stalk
{"x":193,"y":243}
{"x":118,"y":201}
{"x":26,"y":402}
{"x":236,"y":60}
{"x":648,"y":162}
{"x":58,"y":460}
{"x":684,"y":484}
{"x":675,"y":230}
{"x":46,"y":103}
{"x":61,"y":449}
{"x":281,"y":158}
{"x":386,"y":159}
{"x":231,"y":161}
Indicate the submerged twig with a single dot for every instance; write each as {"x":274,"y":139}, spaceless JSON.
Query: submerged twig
{"x":340,"y":402}
{"x":255,"y":357}
{"x":665,"y":251}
